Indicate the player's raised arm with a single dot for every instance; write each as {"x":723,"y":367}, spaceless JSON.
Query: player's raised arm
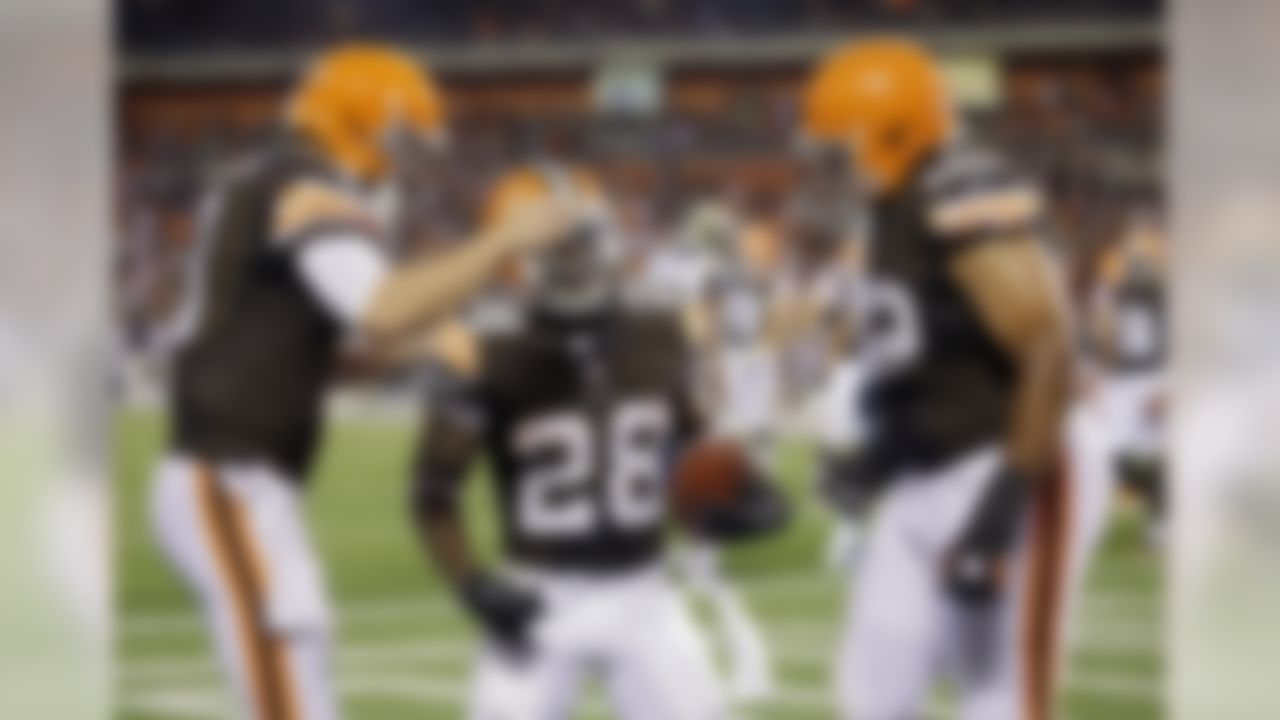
{"x":453,"y":430}
{"x":363,"y":118}
{"x":334,"y":240}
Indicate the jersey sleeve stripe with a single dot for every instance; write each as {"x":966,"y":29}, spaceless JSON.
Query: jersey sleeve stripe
{"x":1005,"y":209}
{"x":328,"y":230}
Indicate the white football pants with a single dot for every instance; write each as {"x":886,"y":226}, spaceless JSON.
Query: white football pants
{"x":633,"y":632}
{"x":235,"y":533}
{"x":904,"y":633}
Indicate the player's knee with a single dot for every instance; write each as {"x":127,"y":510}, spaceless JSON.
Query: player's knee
{"x":299,"y":605}
{"x":879,"y":680}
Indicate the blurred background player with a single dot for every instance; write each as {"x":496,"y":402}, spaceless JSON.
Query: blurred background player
{"x":292,"y":262}
{"x":579,"y":404}
{"x":968,"y":346}
{"x":729,"y":315}
{"x":1131,"y":336}
{"x":818,"y":307}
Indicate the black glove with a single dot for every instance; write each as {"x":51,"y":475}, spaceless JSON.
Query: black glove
{"x":760,"y":509}
{"x":852,"y":480}
{"x":976,"y":564}
{"x":505,"y":611}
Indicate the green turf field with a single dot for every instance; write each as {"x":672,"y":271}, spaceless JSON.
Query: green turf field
{"x":404,"y":649}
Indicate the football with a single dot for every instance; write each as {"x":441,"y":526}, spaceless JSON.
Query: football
{"x":708,"y":475}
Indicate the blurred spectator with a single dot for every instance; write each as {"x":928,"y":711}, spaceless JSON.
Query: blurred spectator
{"x":168,"y":24}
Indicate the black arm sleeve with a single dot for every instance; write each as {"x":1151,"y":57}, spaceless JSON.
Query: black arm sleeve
{"x":451,"y":439}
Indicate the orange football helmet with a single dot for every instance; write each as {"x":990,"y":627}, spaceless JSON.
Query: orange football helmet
{"x":537,"y":182}
{"x":884,"y":102}
{"x":575,"y":275}
{"x":356,"y":98}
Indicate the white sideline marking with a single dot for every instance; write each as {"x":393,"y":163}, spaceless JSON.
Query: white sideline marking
{"x":350,"y":658}
{"x":178,"y":621}
{"x":177,"y":704}
{"x":427,"y":608}
{"x":211,"y":704}
{"x":1097,"y":635}
{"x":360,"y":660}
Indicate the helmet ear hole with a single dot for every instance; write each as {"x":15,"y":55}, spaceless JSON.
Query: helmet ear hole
{"x":353,"y":95}
{"x":887,"y":91}
{"x":895,"y":136}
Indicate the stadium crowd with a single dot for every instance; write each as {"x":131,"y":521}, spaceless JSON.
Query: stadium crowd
{"x":1096,"y":146}
{"x":162,"y":24}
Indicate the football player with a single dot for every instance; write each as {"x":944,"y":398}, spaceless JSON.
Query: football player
{"x":1132,"y":340}
{"x":967,"y":343}
{"x":730,"y":317}
{"x":579,"y":403}
{"x":821,"y":305}
{"x":290,"y":262}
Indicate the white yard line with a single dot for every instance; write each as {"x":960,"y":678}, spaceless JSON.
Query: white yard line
{"x":179,"y":621}
{"x":187,"y":686}
{"x":426,"y":608}
{"x":210,"y":703}
{"x":1098,"y":635}
{"x":350,"y":658}
{"x":381,"y":660}
{"x":177,"y":704}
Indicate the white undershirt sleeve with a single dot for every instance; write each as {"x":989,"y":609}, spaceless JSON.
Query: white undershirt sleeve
{"x":343,"y":274}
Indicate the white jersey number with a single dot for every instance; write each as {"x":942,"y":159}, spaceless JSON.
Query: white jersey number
{"x":892,"y":321}
{"x":557,"y":501}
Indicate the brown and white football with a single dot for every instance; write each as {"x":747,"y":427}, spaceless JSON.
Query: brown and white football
{"x":707,"y":476}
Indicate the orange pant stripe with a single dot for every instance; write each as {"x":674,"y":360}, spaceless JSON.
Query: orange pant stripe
{"x":1043,"y":596}
{"x":242,"y":572}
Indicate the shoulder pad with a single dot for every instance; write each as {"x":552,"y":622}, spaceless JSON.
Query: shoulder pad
{"x":974,"y":192}
{"x":307,"y":205}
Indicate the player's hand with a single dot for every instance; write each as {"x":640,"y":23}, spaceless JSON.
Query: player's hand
{"x":506,"y":612}
{"x":975,"y":568}
{"x":759,"y":509}
{"x":534,"y":224}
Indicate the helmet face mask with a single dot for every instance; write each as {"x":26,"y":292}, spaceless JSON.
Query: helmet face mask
{"x":355,"y":98}
{"x":578,"y":275}
{"x":885,"y":102}
{"x":411,"y":153}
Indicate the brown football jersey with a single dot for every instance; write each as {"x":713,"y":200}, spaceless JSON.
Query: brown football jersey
{"x":250,"y":373}
{"x":578,"y":419}
{"x":939,"y":382}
